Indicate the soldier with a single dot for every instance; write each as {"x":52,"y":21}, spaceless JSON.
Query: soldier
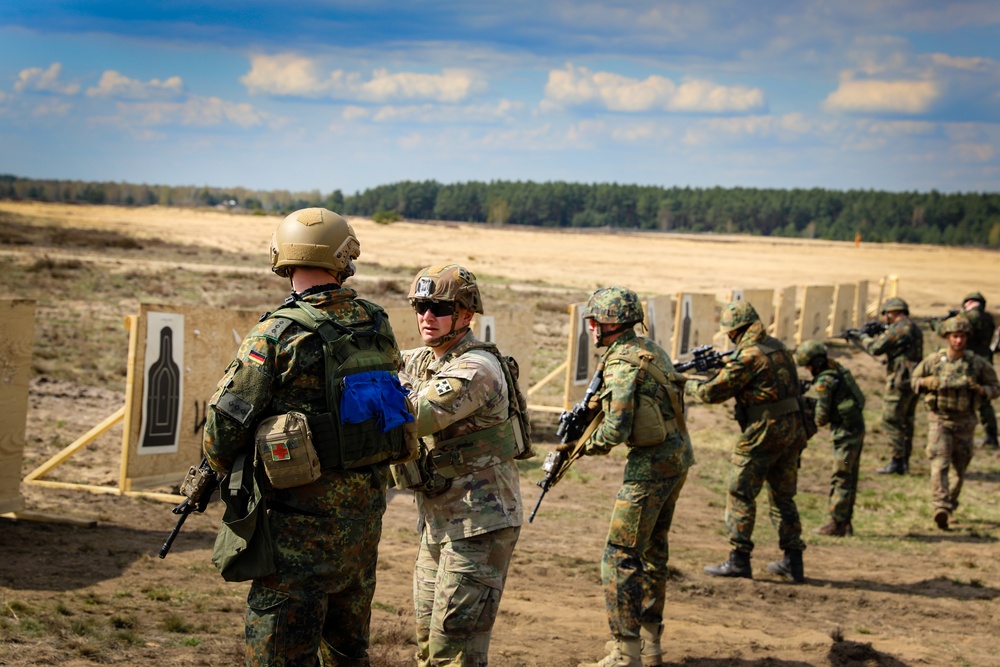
{"x":983,"y":330}
{"x":470,"y":414}
{"x":953,"y":381}
{"x":839,"y":403}
{"x":761,"y":376}
{"x":641,"y":403}
{"x":316,"y":604}
{"x":902,"y":343}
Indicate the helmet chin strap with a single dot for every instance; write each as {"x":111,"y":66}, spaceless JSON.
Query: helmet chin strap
{"x":450,"y":336}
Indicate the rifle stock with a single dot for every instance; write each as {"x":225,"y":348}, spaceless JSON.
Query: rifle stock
{"x":574,"y":427}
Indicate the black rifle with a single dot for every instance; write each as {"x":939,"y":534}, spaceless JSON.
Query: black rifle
{"x":198,"y":487}
{"x":703,"y":360}
{"x":870,"y":328}
{"x":572,"y":425}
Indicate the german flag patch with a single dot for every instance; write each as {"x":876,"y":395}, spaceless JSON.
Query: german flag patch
{"x":256,"y":356}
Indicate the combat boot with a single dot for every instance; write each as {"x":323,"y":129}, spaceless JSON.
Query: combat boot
{"x":835,"y":528}
{"x":990,"y":442}
{"x":625,"y":652}
{"x":941,"y":518}
{"x":651,"y":653}
{"x":738,"y":565}
{"x":790,"y":567}
{"x":896,"y":466}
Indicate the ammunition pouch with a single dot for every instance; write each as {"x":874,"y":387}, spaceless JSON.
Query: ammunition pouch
{"x":417,"y":475}
{"x":285,"y":447}
{"x":648,"y":426}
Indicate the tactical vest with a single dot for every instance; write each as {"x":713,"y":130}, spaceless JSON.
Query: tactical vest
{"x":354,"y":356}
{"x":749,"y":414}
{"x":954,"y":392}
{"x":649,"y":424}
{"x":442,"y":460}
{"x":848,"y":401}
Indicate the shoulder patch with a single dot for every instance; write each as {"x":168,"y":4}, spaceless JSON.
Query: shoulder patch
{"x":276,"y":327}
{"x":444,"y":391}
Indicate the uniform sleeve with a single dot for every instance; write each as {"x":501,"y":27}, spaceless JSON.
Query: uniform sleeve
{"x":879,"y":344}
{"x":728,"y":383}
{"x":618,"y":403}
{"x":455,"y":393}
{"x":826,"y":387}
{"x":988,"y":380}
{"x":922,"y":370}
{"x":242,"y":394}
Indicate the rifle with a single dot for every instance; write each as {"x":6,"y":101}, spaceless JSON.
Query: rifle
{"x":573,"y":426}
{"x":703,"y":360}
{"x":869,"y":328}
{"x":198,"y":487}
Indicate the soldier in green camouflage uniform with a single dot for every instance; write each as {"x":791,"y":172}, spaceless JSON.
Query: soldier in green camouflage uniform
{"x":641,"y":402}
{"x":317,"y":604}
{"x":468,"y":495}
{"x":953,"y":382}
{"x":839,"y":403}
{"x":761,"y":376}
{"x":902,"y":343}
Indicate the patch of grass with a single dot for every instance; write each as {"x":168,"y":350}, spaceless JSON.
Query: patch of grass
{"x":177,"y":624}
{"x":384,"y":607}
{"x":162,"y":593}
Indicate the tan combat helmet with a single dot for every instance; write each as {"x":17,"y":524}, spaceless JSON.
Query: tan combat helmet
{"x":448,"y":284}
{"x":957,"y":324}
{"x":809,"y":350}
{"x":315,"y":237}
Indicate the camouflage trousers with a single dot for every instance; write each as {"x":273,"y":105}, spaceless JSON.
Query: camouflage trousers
{"x":844,"y":479}
{"x":988,"y":418}
{"x":316,"y":608}
{"x":949,"y":447}
{"x":766,"y":455}
{"x":899,"y":409}
{"x":456,"y":595}
{"x":634,"y":566}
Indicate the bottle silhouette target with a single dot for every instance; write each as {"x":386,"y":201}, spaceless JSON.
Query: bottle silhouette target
{"x":163,"y":384}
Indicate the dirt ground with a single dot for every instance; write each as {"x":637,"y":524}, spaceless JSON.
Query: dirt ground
{"x":900,"y":592}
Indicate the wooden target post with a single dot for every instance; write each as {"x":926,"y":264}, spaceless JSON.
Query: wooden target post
{"x":17,"y":331}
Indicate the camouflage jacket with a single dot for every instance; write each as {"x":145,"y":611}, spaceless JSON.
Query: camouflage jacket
{"x":837,"y":401}
{"x":760,"y":371}
{"x":461,"y":393}
{"x":903,"y":345}
{"x":288,"y":373}
{"x":618,"y":397}
{"x":983,"y":327}
{"x":957,"y":380}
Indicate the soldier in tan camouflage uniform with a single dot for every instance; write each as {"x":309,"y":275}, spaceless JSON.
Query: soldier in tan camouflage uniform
{"x":317,"y":603}
{"x":642,"y":409}
{"x":466,"y":481}
{"x":902,"y":343}
{"x":953,"y":382}
{"x":761,"y":376}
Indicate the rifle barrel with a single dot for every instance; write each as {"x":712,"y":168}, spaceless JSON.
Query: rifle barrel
{"x":165,"y":549}
{"x":545,"y":490}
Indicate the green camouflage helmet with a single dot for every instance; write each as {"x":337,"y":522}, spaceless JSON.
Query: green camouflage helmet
{"x":736,"y":315}
{"x":315,"y":237}
{"x":447,"y":282}
{"x":958,"y":324}
{"x":614,"y":305}
{"x":975,"y":296}
{"x":809,"y":350}
{"x":894,"y":304}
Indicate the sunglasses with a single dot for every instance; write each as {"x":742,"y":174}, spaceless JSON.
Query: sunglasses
{"x":437,"y":308}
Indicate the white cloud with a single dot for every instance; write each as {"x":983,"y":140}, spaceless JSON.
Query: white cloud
{"x":975,"y":152}
{"x":194,"y":112}
{"x":898,"y":127}
{"x":433,"y":113}
{"x":292,"y":75}
{"x":720,"y":130}
{"x":52,"y":108}
{"x":353,"y":112}
{"x":35,"y":79}
{"x":873,"y":96}
{"x":576,"y":86}
{"x":114,"y":84}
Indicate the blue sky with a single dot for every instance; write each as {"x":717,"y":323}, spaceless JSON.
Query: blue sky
{"x":340,"y":94}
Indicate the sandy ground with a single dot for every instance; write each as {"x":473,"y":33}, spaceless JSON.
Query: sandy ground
{"x":899,"y":592}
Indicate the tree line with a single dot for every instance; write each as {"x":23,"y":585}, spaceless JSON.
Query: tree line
{"x":906,"y":217}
